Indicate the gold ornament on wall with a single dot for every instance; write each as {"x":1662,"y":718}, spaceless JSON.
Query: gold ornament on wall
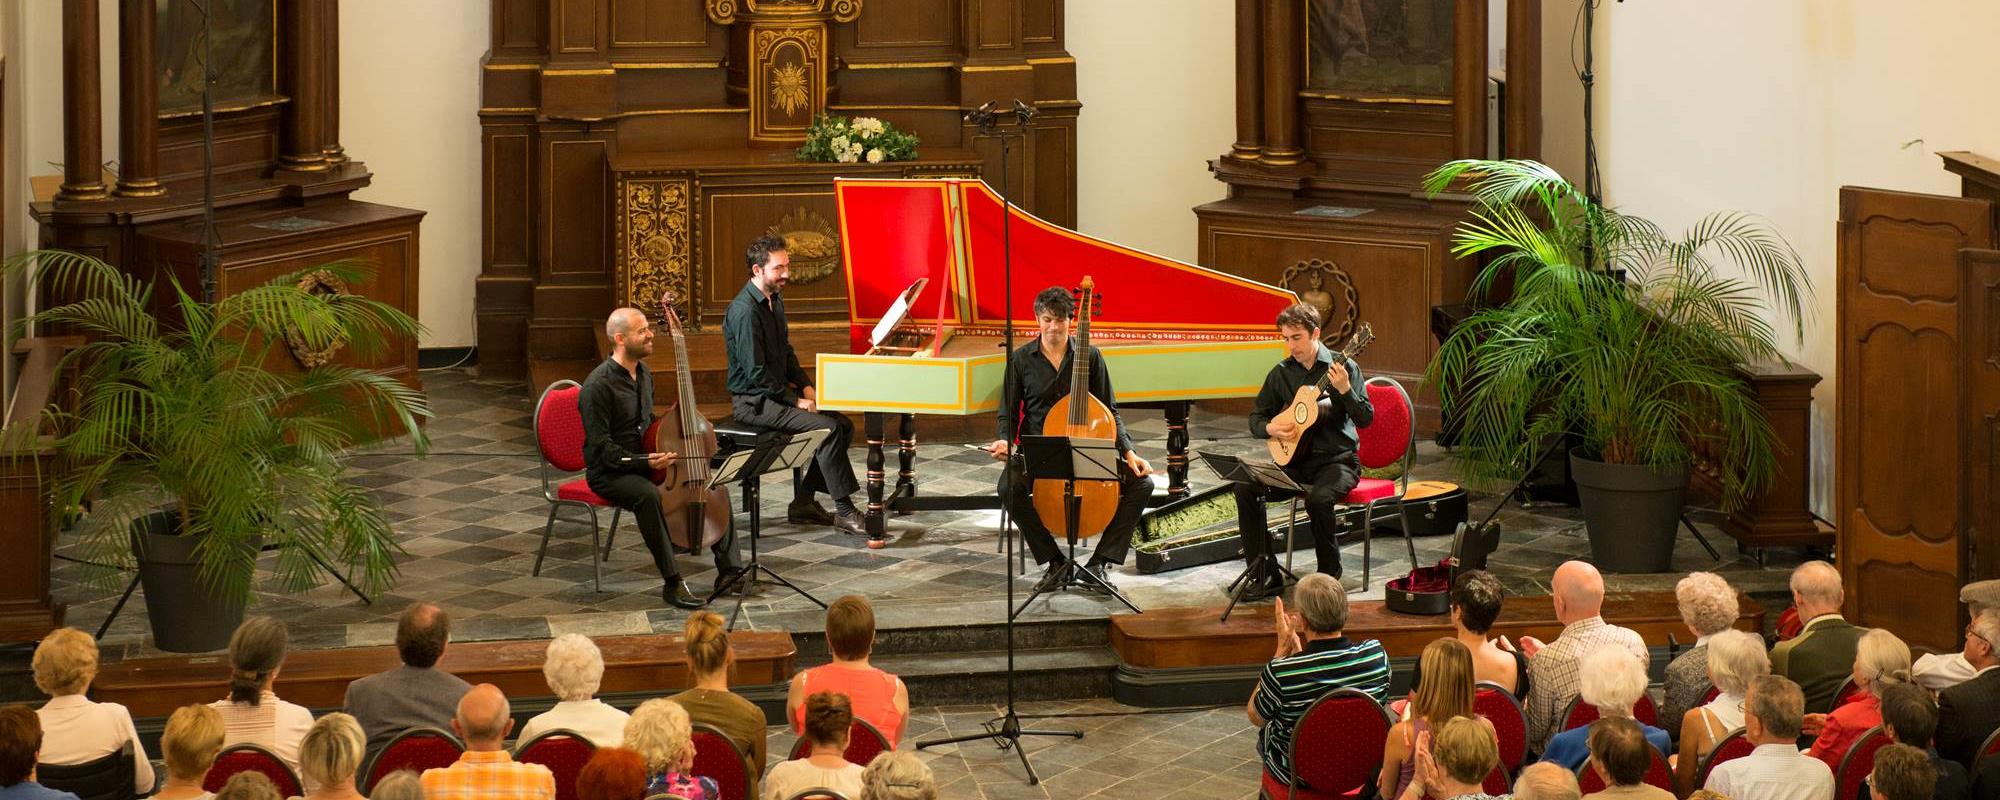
{"x":654,"y":243}
{"x":1309,"y":280}
{"x":811,"y":242}
{"x":326,"y":284}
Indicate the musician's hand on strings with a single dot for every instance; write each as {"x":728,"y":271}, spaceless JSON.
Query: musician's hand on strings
{"x":998,"y":449}
{"x":1138,"y":465}
{"x":661,"y":460}
{"x":1280,"y":427}
{"x":1336,"y":374}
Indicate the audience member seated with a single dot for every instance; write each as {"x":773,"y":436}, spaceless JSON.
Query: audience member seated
{"x":1702,"y":794}
{"x":829,"y":723}
{"x":897,"y":776}
{"x":1312,"y":659}
{"x":20,"y":741}
{"x":1475,"y":605}
{"x":1453,"y":762}
{"x":1708,"y":607}
{"x":402,"y":784}
{"x":1735,"y":658}
{"x":574,"y":668}
{"x":1880,"y":660}
{"x":74,"y":729}
{"x":1621,"y":756}
{"x":662,"y":735}
{"x":416,"y":694}
{"x":878,"y":697}
{"x":253,"y":714}
{"x":612,"y":773}
{"x":486,"y":771}
{"x":189,"y":744}
{"x":1448,"y":694}
{"x":1612,"y":681}
{"x":1939,"y":671}
{"x":1821,"y":657}
{"x":330,"y":756}
{"x":248,"y":785}
{"x":1901,"y":772}
{"x":1910,"y":717}
{"x":1578,"y":594}
{"x":710,"y":702}
{"x":1545,"y":781}
{"x":1969,"y":711}
{"x":1775,"y":770}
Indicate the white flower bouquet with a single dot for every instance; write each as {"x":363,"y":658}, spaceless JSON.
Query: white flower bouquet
{"x":860,"y":139}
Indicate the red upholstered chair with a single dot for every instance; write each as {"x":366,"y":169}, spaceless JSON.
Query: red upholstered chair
{"x":1578,"y":714}
{"x":864,"y":743}
{"x":559,"y":435}
{"x":1336,"y":748}
{"x":416,"y":749}
{"x":1986,"y":749}
{"x":1499,"y":707}
{"x":1391,"y":438}
{"x":251,"y":758}
{"x":1709,"y":696}
{"x":1847,"y":693}
{"x":1645,"y":712}
{"x":717,"y":757}
{"x":1859,"y":761}
{"x":1733,"y":746}
{"x":1659,"y":774}
{"x":563,"y":751}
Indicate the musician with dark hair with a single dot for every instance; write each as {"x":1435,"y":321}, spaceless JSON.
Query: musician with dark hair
{"x":1038,"y":378}
{"x":1327,"y":460}
{"x":770,"y":389}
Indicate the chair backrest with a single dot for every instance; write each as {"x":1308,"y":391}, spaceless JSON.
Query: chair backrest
{"x":818,"y":793}
{"x":1645,"y":712}
{"x":1499,"y":707}
{"x":248,"y":757}
{"x":1337,"y":745}
{"x":563,"y":751}
{"x":559,"y":426}
{"x":1710,"y":695}
{"x":1659,"y":774}
{"x":1846,"y":693}
{"x":1392,"y":436}
{"x":416,"y":749}
{"x":1859,"y":761}
{"x":864,"y":743}
{"x":1987,"y":748}
{"x":106,"y":778}
{"x":1578,"y":714}
{"x":717,"y":757}
{"x":1497,"y":783}
{"x":1736,"y":744}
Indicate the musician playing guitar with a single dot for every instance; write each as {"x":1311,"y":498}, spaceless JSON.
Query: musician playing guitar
{"x":1327,"y":457}
{"x":1040,"y":376}
{"x":617,"y":406}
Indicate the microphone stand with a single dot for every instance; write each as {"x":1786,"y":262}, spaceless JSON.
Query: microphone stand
{"x":1006,"y":730}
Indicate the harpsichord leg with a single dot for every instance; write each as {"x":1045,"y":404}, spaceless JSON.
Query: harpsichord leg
{"x":873,"y":424}
{"x":906,"y":458}
{"x":1177,"y":448}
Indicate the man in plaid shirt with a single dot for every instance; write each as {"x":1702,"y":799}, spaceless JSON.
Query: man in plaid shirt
{"x":1553,"y":668}
{"x":485,"y":771}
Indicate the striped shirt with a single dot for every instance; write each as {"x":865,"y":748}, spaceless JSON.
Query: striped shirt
{"x":1290,"y":685}
{"x":489,"y":775}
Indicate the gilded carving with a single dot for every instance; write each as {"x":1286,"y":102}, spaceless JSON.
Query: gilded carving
{"x":722,"y":12}
{"x":788,"y":80}
{"x":319,"y":282}
{"x":1314,"y":274}
{"x":791,"y":89}
{"x":811,"y":242}
{"x":654,"y":243}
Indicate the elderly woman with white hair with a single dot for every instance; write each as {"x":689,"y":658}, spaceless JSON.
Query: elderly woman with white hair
{"x":1612,"y":679}
{"x":574,"y":668}
{"x":898,"y":775}
{"x":1708,"y":607}
{"x":1880,"y":661}
{"x":661,"y":733}
{"x":1735,"y":658}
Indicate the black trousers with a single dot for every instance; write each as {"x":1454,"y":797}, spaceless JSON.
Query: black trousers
{"x":1050,"y":547}
{"x":641,"y":498}
{"x":831,"y":472}
{"x":1328,"y":480}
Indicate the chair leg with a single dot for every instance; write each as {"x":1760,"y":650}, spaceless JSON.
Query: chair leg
{"x":611,"y":537}
{"x":1367,"y":551}
{"x":596,"y":566}
{"x":1291,"y":528}
{"x":547,"y":528}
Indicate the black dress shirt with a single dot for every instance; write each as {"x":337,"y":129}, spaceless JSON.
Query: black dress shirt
{"x":761,"y":359}
{"x":1332,"y":437}
{"x":1033,"y":386}
{"x":616,"y":410}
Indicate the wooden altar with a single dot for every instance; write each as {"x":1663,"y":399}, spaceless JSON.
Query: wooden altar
{"x":633,"y":145}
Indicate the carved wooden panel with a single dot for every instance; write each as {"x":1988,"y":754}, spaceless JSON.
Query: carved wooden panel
{"x":660,"y":23}
{"x":655,"y":240}
{"x":802,"y":212}
{"x":580,"y":27}
{"x":508,"y":215}
{"x":576,"y":199}
{"x":887,"y":26}
{"x":517,"y":27}
{"x":1980,"y":330}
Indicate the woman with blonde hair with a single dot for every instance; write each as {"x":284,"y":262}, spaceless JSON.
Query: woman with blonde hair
{"x":1446,"y":693}
{"x":710,"y":702}
{"x":252,"y":713}
{"x":574,"y":669}
{"x":1453,"y":762}
{"x":1880,"y":661}
{"x":329,"y":757}
{"x":1734,"y":659}
{"x":190,"y":743}
{"x":74,"y":729}
{"x":897,"y":776}
{"x":660,"y":733}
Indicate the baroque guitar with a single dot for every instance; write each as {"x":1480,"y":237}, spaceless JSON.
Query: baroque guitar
{"x":1314,"y":401}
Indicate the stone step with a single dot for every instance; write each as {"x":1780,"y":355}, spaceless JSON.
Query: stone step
{"x":976,"y":677}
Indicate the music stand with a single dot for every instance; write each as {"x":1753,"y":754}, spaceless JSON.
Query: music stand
{"x":1267,"y":474}
{"x":777,"y":453}
{"x":1071,"y":459}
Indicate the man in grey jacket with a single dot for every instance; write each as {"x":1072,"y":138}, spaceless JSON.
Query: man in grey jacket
{"x":416,"y":694}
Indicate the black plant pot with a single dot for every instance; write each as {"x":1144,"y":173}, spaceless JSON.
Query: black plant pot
{"x":187,"y":616}
{"x":1631,"y":512}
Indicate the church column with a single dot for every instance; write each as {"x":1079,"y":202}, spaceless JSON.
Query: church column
{"x":1281,"y":81}
{"x":83,"y":121}
{"x":300,"y":137}
{"x":1249,"y":80}
{"x":330,"y":123}
{"x":138,"y":108}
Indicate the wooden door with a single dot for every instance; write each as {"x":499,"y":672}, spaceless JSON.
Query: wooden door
{"x":1900,"y":459}
{"x":1979,"y":332}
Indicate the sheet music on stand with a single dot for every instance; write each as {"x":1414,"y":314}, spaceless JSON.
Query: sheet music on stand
{"x":1069,"y":458}
{"x":1249,"y":469}
{"x":733,"y":467}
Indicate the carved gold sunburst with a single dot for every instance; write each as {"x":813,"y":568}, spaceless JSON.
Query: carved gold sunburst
{"x":790,"y":90}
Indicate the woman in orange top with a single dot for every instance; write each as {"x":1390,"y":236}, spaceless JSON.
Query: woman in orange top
{"x":877,"y":697}
{"x":1880,"y":660}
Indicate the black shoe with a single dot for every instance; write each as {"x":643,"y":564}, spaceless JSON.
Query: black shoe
{"x":676,"y":594}
{"x":849,"y":522}
{"x":1100,"y":570}
{"x":1051,"y":577}
{"x":733,"y":580}
{"x":807,"y":512}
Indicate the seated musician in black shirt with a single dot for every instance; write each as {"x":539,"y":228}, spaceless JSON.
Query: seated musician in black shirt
{"x":1327,"y":459}
{"x":617,"y":406}
{"x":1040,"y":376}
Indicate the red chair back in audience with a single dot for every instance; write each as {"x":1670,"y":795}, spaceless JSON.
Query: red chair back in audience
{"x":1336,"y":747}
{"x":416,"y":749}
{"x":1986,"y":749}
{"x":1499,"y":707}
{"x":251,"y":758}
{"x":1710,"y":695}
{"x":1580,"y":714}
{"x":717,"y":757}
{"x":1497,"y":783}
{"x":1735,"y":744}
{"x":1645,"y":712}
{"x":1659,"y":774}
{"x":864,"y":743}
{"x":1847,"y":693}
{"x":563,"y":751}
{"x":1859,"y":761}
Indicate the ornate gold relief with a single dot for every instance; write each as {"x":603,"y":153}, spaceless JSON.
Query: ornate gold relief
{"x":787,"y":80}
{"x":811,"y":242}
{"x":655,"y":244}
{"x":1308,"y":279}
{"x":319,"y":282}
{"x":721,"y":12}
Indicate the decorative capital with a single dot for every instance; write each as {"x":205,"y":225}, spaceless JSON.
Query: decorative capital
{"x":721,"y":12}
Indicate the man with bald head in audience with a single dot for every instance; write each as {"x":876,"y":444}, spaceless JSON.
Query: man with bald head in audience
{"x":416,"y":694}
{"x":1821,"y":657}
{"x":1546,"y":780}
{"x":1554,"y":668}
{"x":485,"y":771}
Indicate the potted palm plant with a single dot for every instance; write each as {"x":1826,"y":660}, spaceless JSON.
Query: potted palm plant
{"x":195,"y":441}
{"x":1618,"y":336}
